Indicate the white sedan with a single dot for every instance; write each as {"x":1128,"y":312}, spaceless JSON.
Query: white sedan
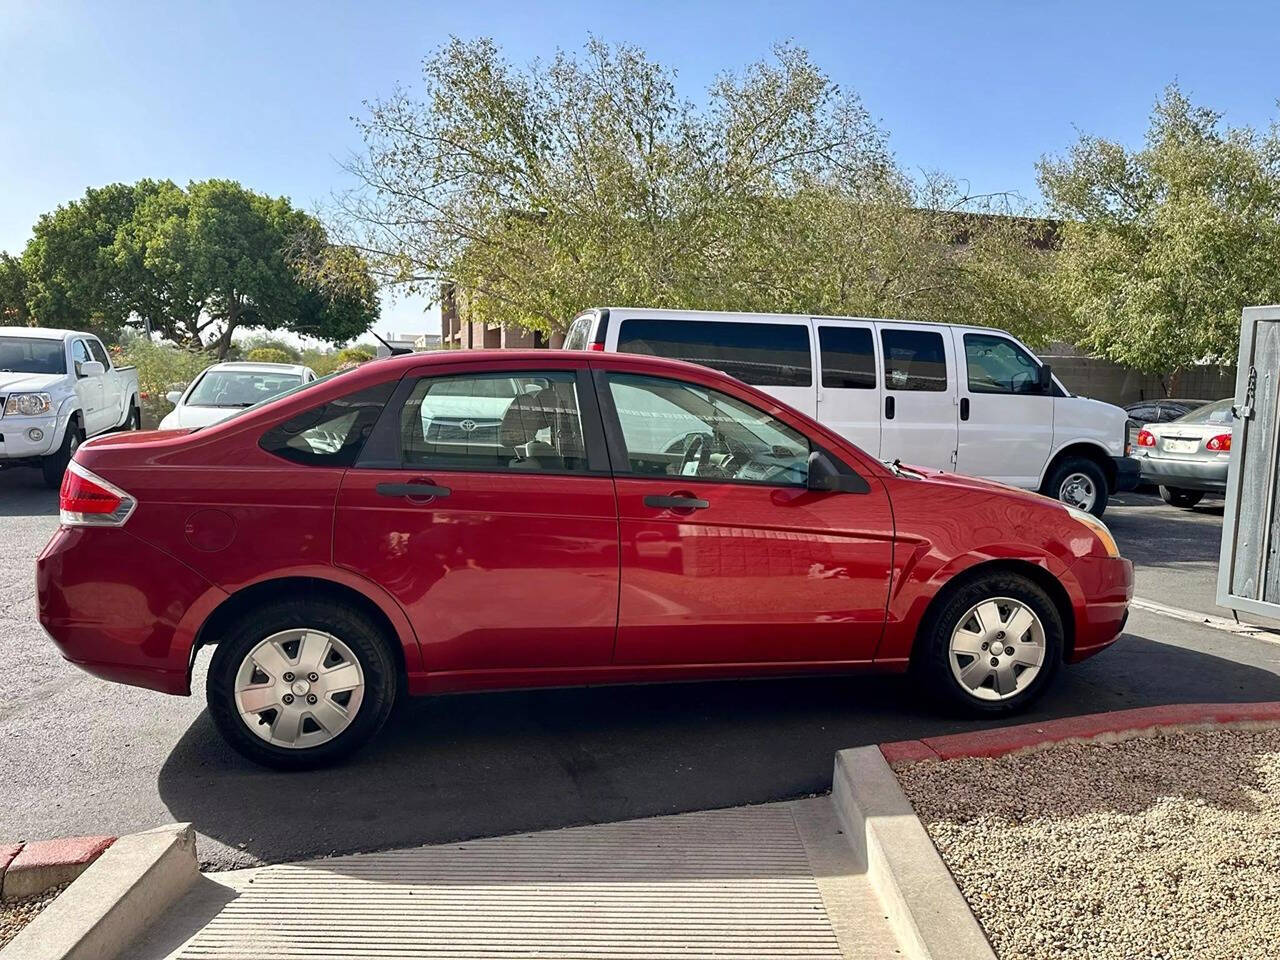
{"x":225,"y":388}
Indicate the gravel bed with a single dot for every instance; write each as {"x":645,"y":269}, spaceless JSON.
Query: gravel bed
{"x":16,"y":914}
{"x":1164,"y":848}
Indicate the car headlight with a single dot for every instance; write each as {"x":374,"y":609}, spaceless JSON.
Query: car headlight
{"x":1098,"y":527}
{"x":27,"y":404}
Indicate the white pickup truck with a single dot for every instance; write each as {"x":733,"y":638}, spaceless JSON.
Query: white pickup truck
{"x":57,"y":388}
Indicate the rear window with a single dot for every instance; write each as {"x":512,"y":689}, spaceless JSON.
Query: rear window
{"x":762,"y":354}
{"x":332,"y":434}
{"x":1218,"y":412}
{"x":579,"y":334}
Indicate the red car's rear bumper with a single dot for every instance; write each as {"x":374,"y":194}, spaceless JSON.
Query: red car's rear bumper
{"x":119,"y":608}
{"x":1107,"y":585}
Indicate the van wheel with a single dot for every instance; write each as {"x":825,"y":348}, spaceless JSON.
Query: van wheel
{"x":55,"y":464}
{"x":300,"y":683}
{"x":993,"y":645}
{"x":1079,"y":482}
{"x":1177,"y":497}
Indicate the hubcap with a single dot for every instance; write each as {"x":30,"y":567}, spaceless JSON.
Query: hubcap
{"x":316,"y":703}
{"x":1079,"y":491}
{"x":997,"y":648}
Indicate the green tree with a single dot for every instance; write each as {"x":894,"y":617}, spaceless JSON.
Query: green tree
{"x":74,"y":279}
{"x":268,"y":355}
{"x":14,"y":309}
{"x":589,"y":180}
{"x":195,"y":265}
{"x":1162,"y":246}
{"x":267,"y":341}
{"x":354,"y":356}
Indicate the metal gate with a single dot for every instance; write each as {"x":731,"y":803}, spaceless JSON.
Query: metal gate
{"x":1249,"y":570}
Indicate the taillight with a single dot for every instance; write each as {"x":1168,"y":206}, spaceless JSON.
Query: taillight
{"x":1146,"y":438}
{"x":596,"y":346}
{"x":1221,"y":443}
{"x":86,"y":500}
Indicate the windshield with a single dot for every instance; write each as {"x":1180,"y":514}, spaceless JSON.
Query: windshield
{"x":32,"y":355}
{"x":1218,"y":412}
{"x":240,"y":388}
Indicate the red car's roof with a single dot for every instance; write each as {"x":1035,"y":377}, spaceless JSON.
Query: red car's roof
{"x":383,"y":365}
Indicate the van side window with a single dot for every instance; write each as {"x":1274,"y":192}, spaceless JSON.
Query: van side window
{"x":998,"y":365}
{"x":848,"y":358}
{"x":762,"y":354}
{"x":914,"y":360}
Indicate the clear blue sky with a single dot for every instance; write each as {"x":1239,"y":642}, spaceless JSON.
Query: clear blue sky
{"x":263,"y":92}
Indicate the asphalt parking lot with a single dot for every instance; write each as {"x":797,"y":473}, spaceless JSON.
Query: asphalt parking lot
{"x":81,"y":756}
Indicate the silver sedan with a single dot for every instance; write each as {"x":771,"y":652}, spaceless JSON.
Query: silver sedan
{"x":1188,"y":457}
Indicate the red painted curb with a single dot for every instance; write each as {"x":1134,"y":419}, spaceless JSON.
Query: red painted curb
{"x":65,"y":851}
{"x":7,"y":853}
{"x":1002,"y":740}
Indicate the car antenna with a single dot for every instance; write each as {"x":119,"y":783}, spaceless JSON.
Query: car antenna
{"x":395,"y":351}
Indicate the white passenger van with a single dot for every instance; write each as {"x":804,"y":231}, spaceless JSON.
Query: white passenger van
{"x":971,"y":400}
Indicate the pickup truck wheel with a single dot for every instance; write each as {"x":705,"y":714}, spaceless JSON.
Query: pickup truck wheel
{"x":300,"y":683}
{"x":55,"y":464}
{"x":1177,"y":497}
{"x":134,"y":421}
{"x":992,"y":646}
{"x":1080,"y":483}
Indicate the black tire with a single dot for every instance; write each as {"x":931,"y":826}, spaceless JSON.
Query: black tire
{"x":1075,"y":466}
{"x":368,"y":644}
{"x":1177,"y":497}
{"x":134,"y":420}
{"x":55,"y":464}
{"x":933,"y":644}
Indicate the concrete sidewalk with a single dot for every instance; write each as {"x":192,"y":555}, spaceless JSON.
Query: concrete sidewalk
{"x":776,"y":880}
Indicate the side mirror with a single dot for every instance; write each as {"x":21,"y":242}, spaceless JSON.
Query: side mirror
{"x":826,"y":475}
{"x":91,"y":368}
{"x":173,"y":396}
{"x":1046,"y":378}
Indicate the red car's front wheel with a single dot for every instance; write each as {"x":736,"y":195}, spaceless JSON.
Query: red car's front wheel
{"x":992,"y":645}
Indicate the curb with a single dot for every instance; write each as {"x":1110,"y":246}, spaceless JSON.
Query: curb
{"x":27,"y":869}
{"x":924,"y":906}
{"x":120,"y":894}
{"x":925,"y":909}
{"x":1122,"y":724}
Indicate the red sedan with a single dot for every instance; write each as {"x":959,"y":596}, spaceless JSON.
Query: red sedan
{"x":480,"y":520}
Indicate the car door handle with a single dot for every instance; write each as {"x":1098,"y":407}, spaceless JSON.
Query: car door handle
{"x":412,"y":490}
{"x":676,"y":503}
{"x":888,"y":408}
{"x":964,"y":408}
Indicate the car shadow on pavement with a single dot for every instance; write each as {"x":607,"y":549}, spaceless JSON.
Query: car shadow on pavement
{"x":457,"y":767}
{"x":23,"y":494}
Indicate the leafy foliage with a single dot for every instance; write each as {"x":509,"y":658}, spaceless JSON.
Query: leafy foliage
{"x":195,"y":264}
{"x":268,"y":355}
{"x":1162,"y":246}
{"x":14,"y":310}
{"x":588,"y":180}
